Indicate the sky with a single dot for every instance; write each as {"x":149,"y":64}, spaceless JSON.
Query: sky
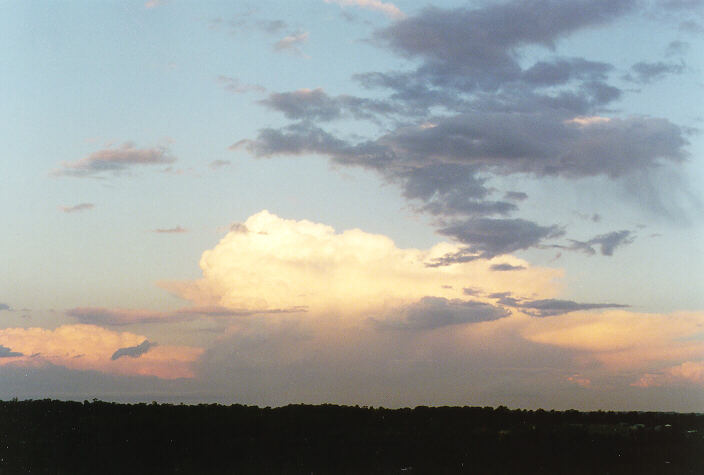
{"x":354,"y":201}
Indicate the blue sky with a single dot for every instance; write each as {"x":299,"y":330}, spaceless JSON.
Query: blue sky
{"x":511,"y":188}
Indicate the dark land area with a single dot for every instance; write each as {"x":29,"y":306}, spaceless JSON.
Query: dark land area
{"x":47,"y":436}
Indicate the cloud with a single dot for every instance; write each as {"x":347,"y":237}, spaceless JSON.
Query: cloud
{"x":623,"y":340}
{"x":120,"y":316}
{"x":644,"y":72}
{"x":154,"y":3}
{"x":292,"y":42}
{"x":89,"y":347}
{"x":435,"y":312}
{"x":607,"y":242}
{"x":676,"y":48}
{"x":215,"y":164}
{"x":503,"y":267}
{"x":316,"y":104}
{"x":78,"y":207}
{"x":515,"y":196}
{"x":487,"y":237}
{"x":115,"y":161}
{"x":477,"y":108}
{"x":280,"y":263}
{"x":176,"y":230}
{"x":387,"y":8}
{"x":133,"y":351}
{"x":552,"y":307}
{"x":235,"y":86}
{"x":689,"y":372}
{"x":494,"y":32}
{"x":8,"y":353}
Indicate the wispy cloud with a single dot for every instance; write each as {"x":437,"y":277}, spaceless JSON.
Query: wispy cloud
{"x":78,"y":207}
{"x":115,"y":161}
{"x":236,"y":86}
{"x":215,"y":164}
{"x":292,"y":43}
{"x":176,"y":230}
{"x":154,"y":3}
{"x":120,"y":316}
{"x":387,"y":8}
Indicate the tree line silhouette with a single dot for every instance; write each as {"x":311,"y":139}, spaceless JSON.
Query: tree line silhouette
{"x":64,"y":437}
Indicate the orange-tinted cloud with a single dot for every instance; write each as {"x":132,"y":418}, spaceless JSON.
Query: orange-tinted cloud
{"x":623,"y":340}
{"x":689,"y":372}
{"x":89,"y":347}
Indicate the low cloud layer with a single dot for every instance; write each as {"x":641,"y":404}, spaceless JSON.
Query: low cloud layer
{"x":435,"y":312}
{"x":121,"y":316}
{"x":89,"y":347}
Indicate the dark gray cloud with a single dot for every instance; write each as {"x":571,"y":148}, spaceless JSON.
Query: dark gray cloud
{"x":515,"y":196}
{"x":133,"y":351}
{"x":115,"y":161}
{"x":4,"y":306}
{"x":506,"y":267}
{"x":468,"y":48}
{"x":8,"y":353}
{"x":316,"y":104}
{"x":78,"y":207}
{"x":552,"y":307}
{"x":488,"y":237}
{"x":435,"y":312}
{"x":475,"y":108}
{"x":645,"y":72}
{"x":606,"y":242}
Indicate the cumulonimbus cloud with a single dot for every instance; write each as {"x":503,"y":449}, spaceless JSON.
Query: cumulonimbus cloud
{"x":270,"y":262}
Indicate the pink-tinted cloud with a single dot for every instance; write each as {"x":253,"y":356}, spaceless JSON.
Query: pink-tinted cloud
{"x":90,"y":347}
{"x":176,"y":230}
{"x":115,"y":160}
{"x":78,"y":207}
{"x":387,"y":8}
{"x":689,"y":372}
{"x":579,"y":380}
{"x":292,"y":43}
